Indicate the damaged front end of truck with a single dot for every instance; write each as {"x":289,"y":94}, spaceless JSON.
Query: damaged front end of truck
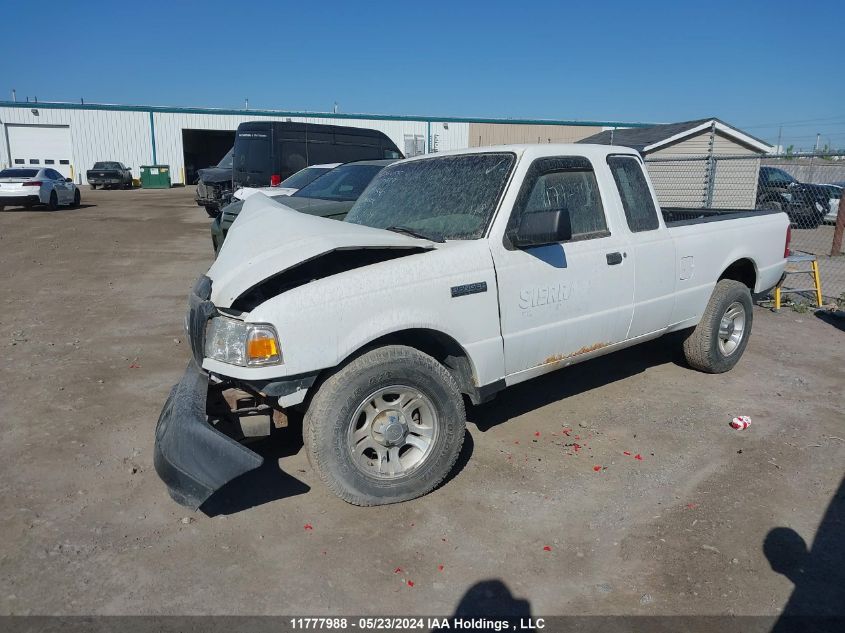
{"x":238,"y":385}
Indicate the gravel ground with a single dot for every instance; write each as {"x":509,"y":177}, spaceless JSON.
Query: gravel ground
{"x":683,"y":515}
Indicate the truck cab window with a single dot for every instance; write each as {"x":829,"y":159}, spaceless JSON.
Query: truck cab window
{"x":564,"y":183}
{"x":636,"y":196}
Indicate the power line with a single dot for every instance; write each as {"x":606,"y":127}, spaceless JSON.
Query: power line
{"x":837,"y":118}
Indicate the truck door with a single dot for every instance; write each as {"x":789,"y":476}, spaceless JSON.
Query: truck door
{"x":563,"y":300}
{"x":652,"y":248}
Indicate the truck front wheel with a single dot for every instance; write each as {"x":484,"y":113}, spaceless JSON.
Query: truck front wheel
{"x":718,"y":341}
{"x":387,"y":427}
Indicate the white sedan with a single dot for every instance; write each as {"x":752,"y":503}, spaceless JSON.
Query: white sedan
{"x":289,"y":185}
{"x":28,"y":186}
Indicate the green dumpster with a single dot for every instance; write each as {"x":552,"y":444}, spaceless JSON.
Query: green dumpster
{"x":155,"y":176}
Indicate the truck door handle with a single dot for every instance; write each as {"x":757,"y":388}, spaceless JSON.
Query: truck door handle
{"x":614,"y":258}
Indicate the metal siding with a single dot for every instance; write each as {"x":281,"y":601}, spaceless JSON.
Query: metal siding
{"x":124,"y":134}
{"x":482,"y":134}
{"x":95,"y":135}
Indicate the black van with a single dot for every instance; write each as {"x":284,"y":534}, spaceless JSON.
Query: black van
{"x":267,"y":152}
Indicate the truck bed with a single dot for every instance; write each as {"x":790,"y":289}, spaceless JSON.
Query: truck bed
{"x":679,"y":216}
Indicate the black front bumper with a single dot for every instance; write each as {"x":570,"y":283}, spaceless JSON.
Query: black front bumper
{"x":192,"y":457}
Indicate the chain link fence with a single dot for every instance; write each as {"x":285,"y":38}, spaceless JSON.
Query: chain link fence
{"x":807,"y":187}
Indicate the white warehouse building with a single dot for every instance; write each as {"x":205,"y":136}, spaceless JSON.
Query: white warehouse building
{"x":71,"y":137}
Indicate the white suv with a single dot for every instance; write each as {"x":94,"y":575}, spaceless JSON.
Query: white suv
{"x":28,"y":186}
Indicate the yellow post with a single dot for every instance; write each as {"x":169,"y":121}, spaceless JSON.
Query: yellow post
{"x":182,"y":175}
{"x":71,"y":172}
{"x":818,"y":282}
{"x":777,"y":297}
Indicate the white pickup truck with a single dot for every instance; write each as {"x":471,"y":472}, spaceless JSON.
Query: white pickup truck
{"x":454,"y":275}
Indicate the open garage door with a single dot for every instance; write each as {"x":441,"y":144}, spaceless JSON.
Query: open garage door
{"x":204,"y":148}
{"x":40,"y":146}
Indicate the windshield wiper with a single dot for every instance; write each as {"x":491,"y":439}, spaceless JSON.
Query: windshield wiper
{"x":433,"y":237}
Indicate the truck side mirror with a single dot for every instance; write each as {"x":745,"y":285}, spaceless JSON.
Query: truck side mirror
{"x":543,"y":227}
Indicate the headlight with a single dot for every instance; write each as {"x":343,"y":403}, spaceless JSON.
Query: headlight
{"x":244,"y":344}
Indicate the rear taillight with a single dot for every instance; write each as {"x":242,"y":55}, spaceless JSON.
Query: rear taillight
{"x":275,"y":179}
{"x":786,"y":251}
{"x":33,"y":183}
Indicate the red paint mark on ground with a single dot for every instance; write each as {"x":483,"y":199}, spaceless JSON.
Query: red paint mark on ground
{"x":440,"y":568}
{"x":410,"y":583}
{"x":547,"y":548}
{"x":597,"y":468}
{"x":577,"y":437}
{"x":638,"y":456}
{"x":398,"y":570}
{"x":308,"y":526}
{"x":566,"y":431}
{"x":626,"y":453}
{"x":576,"y":447}
{"x":692,"y":506}
{"x":536,"y":433}
{"x":135,"y":365}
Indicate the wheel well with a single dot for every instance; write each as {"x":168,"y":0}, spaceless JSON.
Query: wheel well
{"x":442,"y":347}
{"x":743,"y":271}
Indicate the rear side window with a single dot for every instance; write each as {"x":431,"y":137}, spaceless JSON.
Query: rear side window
{"x":635,"y":194}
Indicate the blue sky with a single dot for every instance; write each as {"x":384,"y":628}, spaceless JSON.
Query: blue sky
{"x":753,"y":64}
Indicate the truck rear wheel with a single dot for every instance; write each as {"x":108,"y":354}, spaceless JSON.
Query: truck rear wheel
{"x":720,"y":338}
{"x":387,"y":427}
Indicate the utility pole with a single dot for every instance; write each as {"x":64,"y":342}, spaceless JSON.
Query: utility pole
{"x":780,"y":135}
{"x":14,"y":96}
{"x":818,"y":140}
{"x":246,"y":103}
{"x":335,"y":107}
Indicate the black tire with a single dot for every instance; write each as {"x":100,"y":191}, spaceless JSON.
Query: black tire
{"x":54,"y":201}
{"x":212,"y":212}
{"x":705,"y":347}
{"x":127,"y":185}
{"x":77,"y":199}
{"x":330,"y":414}
{"x":93,"y":186}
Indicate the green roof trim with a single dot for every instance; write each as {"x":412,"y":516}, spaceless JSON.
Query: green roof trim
{"x":325,"y":115}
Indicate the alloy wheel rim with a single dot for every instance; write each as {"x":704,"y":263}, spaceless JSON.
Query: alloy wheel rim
{"x":392,"y":432}
{"x":732,"y":328}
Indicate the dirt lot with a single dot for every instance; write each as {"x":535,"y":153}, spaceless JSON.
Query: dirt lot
{"x":91,"y":340}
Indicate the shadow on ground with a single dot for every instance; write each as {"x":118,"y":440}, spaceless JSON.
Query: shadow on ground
{"x":834,"y":318}
{"x":266,"y":483}
{"x":43,"y":209}
{"x":491,"y":599}
{"x":818,"y":573}
{"x":586,"y":376}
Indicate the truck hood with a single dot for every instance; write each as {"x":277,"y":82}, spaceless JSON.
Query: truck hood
{"x":316,"y":206}
{"x":269,"y":238}
{"x":215,"y":174}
